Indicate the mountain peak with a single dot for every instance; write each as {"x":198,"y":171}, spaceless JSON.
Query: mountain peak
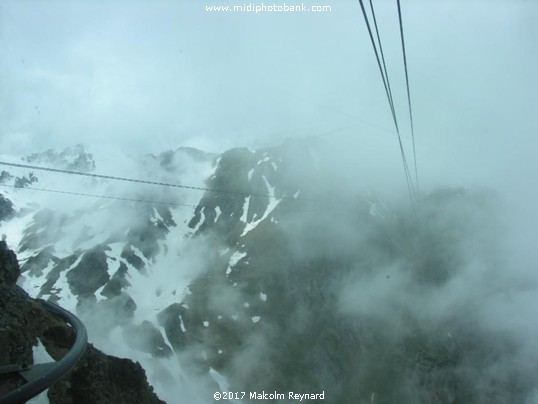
{"x":74,"y":158}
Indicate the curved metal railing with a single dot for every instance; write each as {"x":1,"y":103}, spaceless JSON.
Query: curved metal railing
{"x":41,"y":376}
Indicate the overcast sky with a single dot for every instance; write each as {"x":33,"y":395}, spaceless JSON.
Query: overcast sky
{"x":146,"y":76}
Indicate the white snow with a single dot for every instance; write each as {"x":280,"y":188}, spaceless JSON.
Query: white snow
{"x":217,"y":209}
{"x":250,"y":174}
{"x":274,"y":166}
{"x":140,"y":255}
{"x":243,"y":217}
{"x":98,"y":295}
{"x":263,"y":160}
{"x":246,"y":304}
{"x":151,"y":293}
{"x":115,"y":249}
{"x":206,"y":323}
{"x":156,"y":218}
{"x":234,"y":259}
{"x":40,"y":356}
{"x":220,"y":379}
{"x":61,"y":288}
{"x":202,"y":219}
{"x":14,"y":229}
{"x":156,"y":290}
{"x":255,"y":319}
{"x":273,"y":203}
{"x":181,"y":324}
{"x":112,"y":266}
{"x":263,"y":296}
{"x":32,"y":284}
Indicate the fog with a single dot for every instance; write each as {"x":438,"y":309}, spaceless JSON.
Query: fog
{"x":153,"y":76}
{"x":132,"y":78}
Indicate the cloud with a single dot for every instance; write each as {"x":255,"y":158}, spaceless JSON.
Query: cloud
{"x":148,"y":77}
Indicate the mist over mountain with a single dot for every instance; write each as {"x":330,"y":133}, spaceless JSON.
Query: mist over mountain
{"x":271,"y":270}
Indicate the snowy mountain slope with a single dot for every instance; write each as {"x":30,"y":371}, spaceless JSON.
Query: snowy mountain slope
{"x":103,"y":258}
{"x":274,"y":278}
{"x":123,"y":266}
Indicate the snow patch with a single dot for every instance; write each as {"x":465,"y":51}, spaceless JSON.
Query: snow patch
{"x":63,"y":292}
{"x":220,"y":379}
{"x":202,"y":220}
{"x":140,"y":255}
{"x":98,"y":295}
{"x":234,"y":259}
{"x":156,"y":218}
{"x":14,"y":229}
{"x":273,"y":203}
{"x":263,"y":160}
{"x":255,"y":319}
{"x":115,"y":249}
{"x":40,"y":354}
{"x":181,"y":324}
{"x":243,"y":217}
{"x":165,"y":337}
{"x":32,"y":284}
{"x":263,"y":296}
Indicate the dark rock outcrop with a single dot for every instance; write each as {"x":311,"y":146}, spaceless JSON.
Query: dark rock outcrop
{"x":97,"y":378}
{"x":9,"y":270}
{"x":100,"y":378}
{"x":6,"y":208}
{"x":90,"y":274}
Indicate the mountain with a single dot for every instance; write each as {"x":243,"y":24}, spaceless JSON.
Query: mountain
{"x":255,"y":271}
{"x":27,"y":331}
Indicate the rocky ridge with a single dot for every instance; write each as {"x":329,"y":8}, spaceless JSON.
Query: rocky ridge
{"x":97,"y":378}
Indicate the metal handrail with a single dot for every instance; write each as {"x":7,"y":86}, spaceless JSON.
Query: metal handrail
{"x":57,"y":369}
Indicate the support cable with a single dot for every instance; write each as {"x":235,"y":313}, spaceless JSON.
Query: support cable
{"x":402,"y":151}
{"x":408,"y":93}
{"x":391,"y":100}
{"x":164,"y":184}
{"x":116,"y":198}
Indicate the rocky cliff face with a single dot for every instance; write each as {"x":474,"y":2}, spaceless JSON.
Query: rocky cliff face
{"x":97,"y":378}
